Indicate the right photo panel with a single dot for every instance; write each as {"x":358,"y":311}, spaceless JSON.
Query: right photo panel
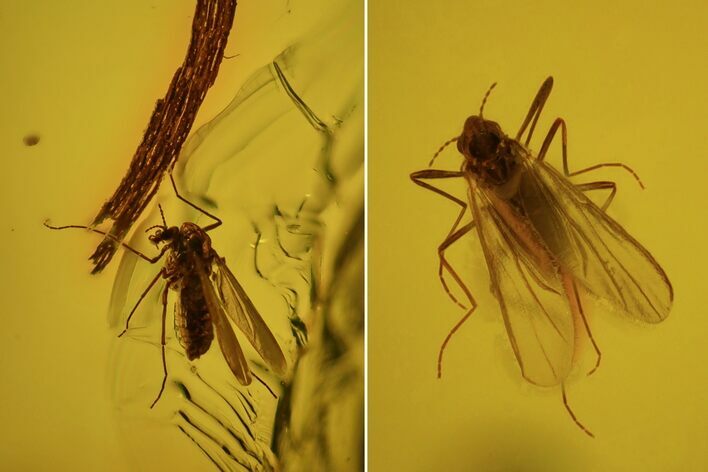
{"x":535,"y":235}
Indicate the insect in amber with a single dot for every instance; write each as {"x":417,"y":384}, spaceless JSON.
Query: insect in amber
{"x":545,"y":242}
{"x":208,"y":295}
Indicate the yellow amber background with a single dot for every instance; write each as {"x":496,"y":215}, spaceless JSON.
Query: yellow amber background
{"x":630,"y":79}
{"x":85,"y":76}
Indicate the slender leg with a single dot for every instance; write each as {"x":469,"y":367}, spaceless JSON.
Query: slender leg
{"x":559,"y":122}
{"x":142,"y":296}
{"x":599,"y":166}
{"x":440,"y":174}
{"x":572,"y":415}
{"x":452,"y":332}
{"x":163,"y":342}
{"x":535,"y":111}
{"x":587,"y":330}
{"x":206,"y":228}
{"x":453,"y":235}
{"x":601,"y":185}
{"x":151,"y":260}
{"x":419,"y":176}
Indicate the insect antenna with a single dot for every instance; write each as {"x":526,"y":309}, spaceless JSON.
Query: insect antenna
{"x":445,"y":144}
{"x":484,"y":100}
{"x":151,"y":260}
{"x":162,"y":214}
{"x":153,"y":226}
{"x":164,"y":222}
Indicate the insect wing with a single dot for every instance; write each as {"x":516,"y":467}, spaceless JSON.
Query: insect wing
{"x":536,"y":309}
{"x":180,"y":321}
{"x":242,"y":311}
{"x":605,"y":259}
{"x":224,"y":332}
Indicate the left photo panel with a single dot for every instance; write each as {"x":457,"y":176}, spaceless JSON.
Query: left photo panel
{"x":184,"y":235}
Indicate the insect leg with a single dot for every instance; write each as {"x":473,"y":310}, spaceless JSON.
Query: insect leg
{"x":601,"y":185}
{"x":535,"y":111}
{"x":162,"y":343}
{"x":142,"y":296}
{"x":418,"y":177}
{"x":206,"y":228}
{"x":560,"y":122}
{"x":599,"y":166}
{"x":473,"y":304}
{"x":453,"y":236}
{"x":572,"y":415}
{"x":586,"y":325}
{"x":151,"y":260}
{"x":453,"y":331}
{"x":441,"y":174}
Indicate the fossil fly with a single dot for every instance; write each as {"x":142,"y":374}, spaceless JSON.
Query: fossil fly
{"x":208,"y":295}
{"x":544,"y":242}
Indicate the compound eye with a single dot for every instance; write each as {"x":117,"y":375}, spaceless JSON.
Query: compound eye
{"x":484,"y":145}
{"x":155,"y":237}
{"x":170,"y":233}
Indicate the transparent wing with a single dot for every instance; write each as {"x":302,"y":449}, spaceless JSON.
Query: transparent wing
{"x":532,"y":292}
{"x":601,"y":255}
{"x":242,"y":311}
{"x":180,"y":321}
{"x":224,"y":332}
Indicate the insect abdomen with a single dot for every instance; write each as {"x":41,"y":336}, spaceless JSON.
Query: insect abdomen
{"x":192,"y":320}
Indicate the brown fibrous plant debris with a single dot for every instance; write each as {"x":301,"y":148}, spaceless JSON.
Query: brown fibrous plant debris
{"x":169,"y":126}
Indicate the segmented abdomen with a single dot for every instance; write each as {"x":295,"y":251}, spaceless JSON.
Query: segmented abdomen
{"x":192,"y":319}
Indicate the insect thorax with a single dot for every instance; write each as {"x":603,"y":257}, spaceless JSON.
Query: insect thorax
{"x":194,"y":238}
